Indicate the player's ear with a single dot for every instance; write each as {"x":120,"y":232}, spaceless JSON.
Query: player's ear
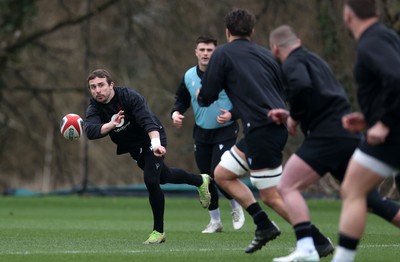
{"x":274,"y":49}
{"x":347,"y":15}
{"x":228,"y":34}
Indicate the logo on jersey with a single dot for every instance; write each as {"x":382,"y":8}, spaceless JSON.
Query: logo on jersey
{"x":121,"y":123}
{"x":220,"y":146}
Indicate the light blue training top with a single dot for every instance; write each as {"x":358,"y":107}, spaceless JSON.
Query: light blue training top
{"x":206,"y":117}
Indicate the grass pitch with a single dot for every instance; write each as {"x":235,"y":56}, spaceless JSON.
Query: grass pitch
{"x":113,"y":229}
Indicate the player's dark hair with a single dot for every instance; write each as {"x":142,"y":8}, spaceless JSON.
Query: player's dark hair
{"x":363,"y":9}
{"x":100,"y":73}
{"x":240,"y":22}
{"x":206,"y":40}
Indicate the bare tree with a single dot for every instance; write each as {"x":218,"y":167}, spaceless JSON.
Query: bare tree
{"x":147,"y":45}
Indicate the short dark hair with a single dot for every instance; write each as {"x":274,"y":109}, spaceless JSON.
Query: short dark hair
{"x":100,"y":73}
{"x":363,"y":9}
{"x":240,"y":22}
{"x":206,"y":40}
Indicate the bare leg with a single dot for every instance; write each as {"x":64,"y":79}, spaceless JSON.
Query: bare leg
{"x":266,"y":230}
{"x":357,"y":183}
{"x":355,"y":187}
{"x":272,"y":198}
{"x":231,"y":184}
{"x":296,"y":176}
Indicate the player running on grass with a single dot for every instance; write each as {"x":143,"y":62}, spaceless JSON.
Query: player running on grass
{"x":317,"y":103}
{"x":214,"y":131}
{"x":124,"y":115}
{"x":376,"y":71}
{"x":252,"y":80}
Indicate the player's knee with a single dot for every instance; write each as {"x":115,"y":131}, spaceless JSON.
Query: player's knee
{"x":352,"y":191}
{"x":222,"y":175}
{"x":349,"y":194}
{"x":282,"y":190}
{"x":151,"y":183}
{"x":218,"y":175}
{"x":346,"y":189}
{"x":343,"y":193}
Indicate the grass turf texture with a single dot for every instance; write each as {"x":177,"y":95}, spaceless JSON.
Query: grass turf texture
{"x":113,"y":229}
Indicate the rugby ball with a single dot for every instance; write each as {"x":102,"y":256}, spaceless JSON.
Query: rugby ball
{"x":71,"y":126}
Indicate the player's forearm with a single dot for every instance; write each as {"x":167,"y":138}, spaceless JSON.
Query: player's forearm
{"x":106,"y":128}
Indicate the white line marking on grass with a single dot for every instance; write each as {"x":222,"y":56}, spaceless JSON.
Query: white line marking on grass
{"x":63,"y":252}
{"x":379,"y":246}
{"x":56,"y":252}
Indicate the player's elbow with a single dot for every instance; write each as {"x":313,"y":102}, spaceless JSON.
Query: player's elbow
{"x":92,"y":134}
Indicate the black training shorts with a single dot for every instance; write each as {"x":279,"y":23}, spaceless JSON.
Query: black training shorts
{"x":388,"y":153}
{"x":263,"y":146}
{"x":328,"y":154}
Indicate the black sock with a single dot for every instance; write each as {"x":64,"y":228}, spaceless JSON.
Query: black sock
{"x":159,"y":226}
{"x":259,"y":216}
{"x":348,"y":242}
{"x":157,"y":203}
{"x":302,"y":230}
{"x":317,"y":236}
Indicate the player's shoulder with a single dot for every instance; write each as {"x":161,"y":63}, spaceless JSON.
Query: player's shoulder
{"x":122,"y":91}
{"x":301,"y":55}
{"x":93,"y":105}
{"x":191,"y":71}
{"x":128,"y":95}
{"x":375,"y":35}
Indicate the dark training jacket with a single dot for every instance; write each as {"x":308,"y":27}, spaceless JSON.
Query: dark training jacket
{"x":317,"y":100}
{"x":251,"y":78}
{"x":138,"y":121}
{"x":377,"y":73}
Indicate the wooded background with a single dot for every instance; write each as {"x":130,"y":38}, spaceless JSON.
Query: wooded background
{"x":48,"y":47}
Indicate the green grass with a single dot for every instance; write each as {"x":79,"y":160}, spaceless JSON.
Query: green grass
{"x":113,"y":229}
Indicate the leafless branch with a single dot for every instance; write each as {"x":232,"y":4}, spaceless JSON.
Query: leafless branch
{"x":69,"y":22}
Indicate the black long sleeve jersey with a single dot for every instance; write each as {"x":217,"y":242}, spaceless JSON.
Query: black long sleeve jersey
{"x":138,"y":121}
{"x":317,"y":100}
{"x":203,"y":135}
{"x":377,"y":74}
{"x":251,"y":78}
